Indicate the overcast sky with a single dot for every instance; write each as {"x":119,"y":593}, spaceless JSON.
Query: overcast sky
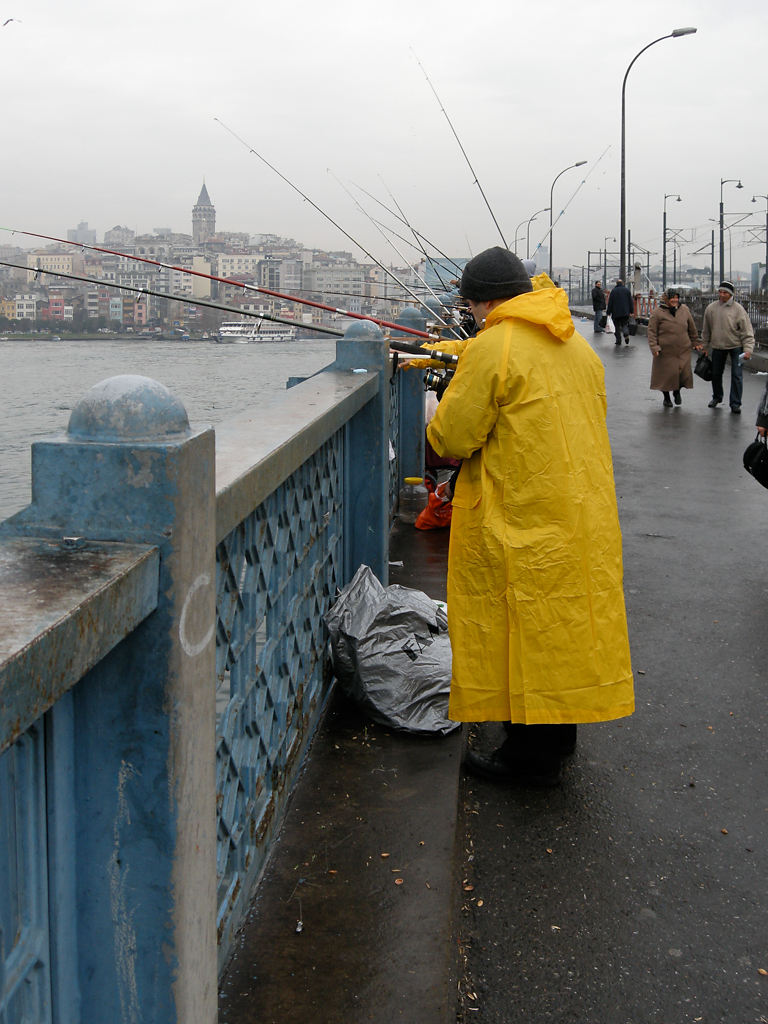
{"x":109,"y":117}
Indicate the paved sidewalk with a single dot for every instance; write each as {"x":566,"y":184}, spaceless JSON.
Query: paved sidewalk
{"x":366,"y":862}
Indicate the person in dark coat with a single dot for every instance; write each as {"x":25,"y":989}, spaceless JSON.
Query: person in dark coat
{"x":621,"y":306}
{"x":598,"y":305}
{"x":671,"y":335}
{"x":762,"y":413}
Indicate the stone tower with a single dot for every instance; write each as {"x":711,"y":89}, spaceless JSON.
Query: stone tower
{"x":203,"y":218}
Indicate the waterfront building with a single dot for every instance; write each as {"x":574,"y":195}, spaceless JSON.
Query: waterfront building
{"x":26,"y":307}
{"x":70,"y":262}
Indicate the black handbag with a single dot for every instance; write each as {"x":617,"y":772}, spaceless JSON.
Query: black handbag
{"x":603,"y":319}
{"x":756,"y":460}
{"x":703,"y":367}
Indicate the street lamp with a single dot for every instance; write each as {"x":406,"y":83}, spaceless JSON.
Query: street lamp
{"x":516,"y":231}
{"x":528,"y":234}
{"x":623,"y":216}
{"x":724,"y":181}
{"x":570,"y":167}
{"x":754,"y":200}
{"x":667,"y":195}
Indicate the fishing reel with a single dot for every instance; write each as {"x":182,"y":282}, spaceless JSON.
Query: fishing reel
{"x":437,"y":380}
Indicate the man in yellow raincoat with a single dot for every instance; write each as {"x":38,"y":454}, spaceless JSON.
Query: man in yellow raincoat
{"x":535,"y":596}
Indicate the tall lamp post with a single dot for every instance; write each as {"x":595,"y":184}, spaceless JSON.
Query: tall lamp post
{"x":667,"y":195}
{"x":754,"y":200}
{"x":623,"y":217}
{"x":579,"y":163}
{"x":528,"y":233}
{"x":608,"y":238}
{"x":516,"y":231}
{"x":724,"y":181}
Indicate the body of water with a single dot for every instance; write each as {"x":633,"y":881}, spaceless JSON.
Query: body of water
{"x":41,"y":381}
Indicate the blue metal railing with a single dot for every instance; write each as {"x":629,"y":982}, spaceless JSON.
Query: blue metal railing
{"x":104,"y":772}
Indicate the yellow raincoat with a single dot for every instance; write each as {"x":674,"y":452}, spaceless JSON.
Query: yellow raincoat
{"x":535,"y":598}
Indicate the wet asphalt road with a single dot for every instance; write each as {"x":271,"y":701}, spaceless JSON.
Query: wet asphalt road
{"x":637,"y":892}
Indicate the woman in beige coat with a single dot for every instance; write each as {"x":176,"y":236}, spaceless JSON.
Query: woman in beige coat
{"x":671,"y":335}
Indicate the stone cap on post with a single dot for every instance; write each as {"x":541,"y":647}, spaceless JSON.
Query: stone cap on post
{"x":129,"y":408}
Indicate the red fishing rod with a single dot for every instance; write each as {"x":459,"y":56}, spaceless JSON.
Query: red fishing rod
{"x":228,"y":280}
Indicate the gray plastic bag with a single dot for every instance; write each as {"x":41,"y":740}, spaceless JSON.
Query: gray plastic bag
{"x":391,"y":654}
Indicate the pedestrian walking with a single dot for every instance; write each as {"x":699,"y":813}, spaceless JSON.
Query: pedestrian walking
{"x":621,"y":306}
{"x":598,"y":305}
{"x":727,"y":334}
{"x":535,"y":595}
{"x":671,"y":336}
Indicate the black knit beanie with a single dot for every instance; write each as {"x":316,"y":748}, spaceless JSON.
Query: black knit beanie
{"x":494,"y":274}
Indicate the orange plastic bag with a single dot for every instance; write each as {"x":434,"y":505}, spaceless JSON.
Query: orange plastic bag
{"x":438,"y":512}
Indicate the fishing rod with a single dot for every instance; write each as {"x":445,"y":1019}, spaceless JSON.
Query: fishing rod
{"x":402,"y":257}
{"x":224,"y":280}
{"x":386,"y":227}
{"x":177,"y":298}
{"x":464,"y":152}
{"x":311,"y":202}
{"x":449,"y":358}
{"x":421,"y":247}
{"x":418,"y":233}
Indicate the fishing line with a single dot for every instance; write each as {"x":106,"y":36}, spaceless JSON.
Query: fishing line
{"x":418,"y":233}
{"x":464,"y":152}
{"x":311,"y":202}
{"x":421,"y":247}
{"x":573,"y":196}
{"x":402,"y":257}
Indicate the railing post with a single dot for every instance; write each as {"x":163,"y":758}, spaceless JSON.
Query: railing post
{"x":366,"y":464}
{"x":411,"y":384}
{"x":143,"y":720}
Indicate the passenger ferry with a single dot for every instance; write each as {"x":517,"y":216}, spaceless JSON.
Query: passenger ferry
{"x":242,"y":332}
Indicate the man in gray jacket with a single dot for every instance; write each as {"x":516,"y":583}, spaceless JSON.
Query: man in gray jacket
{"x":727,"y":333}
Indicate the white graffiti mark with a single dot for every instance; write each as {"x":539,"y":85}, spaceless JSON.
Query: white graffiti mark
{"x":192,"y":650}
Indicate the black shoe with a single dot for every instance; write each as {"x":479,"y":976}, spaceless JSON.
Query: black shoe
{"x":677,"y":397}
{"x":714,"y":403}
{"x":667,"y":401}
{"x":501,"y":769}
{"x":617,"y":342}
{"x":736,"y":409}
{"x":566,"y":735}
{"x":626,"y":341}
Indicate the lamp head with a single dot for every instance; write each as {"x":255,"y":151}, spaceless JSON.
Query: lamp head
{"x":580,"y":163}
{"x":739,"y":184}
{"x":682,"y":32}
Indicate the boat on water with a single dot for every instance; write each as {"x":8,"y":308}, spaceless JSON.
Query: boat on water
{"x":243,"y":332}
